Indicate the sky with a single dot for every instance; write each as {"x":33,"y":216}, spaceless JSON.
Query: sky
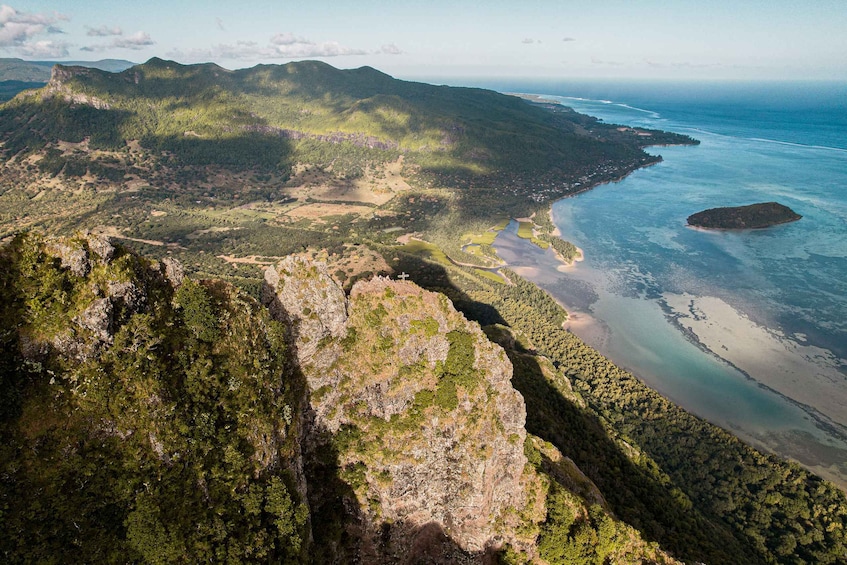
{"x":644,"y":39}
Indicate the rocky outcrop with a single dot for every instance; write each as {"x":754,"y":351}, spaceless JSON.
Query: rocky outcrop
{"x":301,"y":293}
{"x":58,"y":87}
{"x":428,"y":429}
{"x":73,"y":254}
{"x":105,"y":294}
{"x":173,"y":271}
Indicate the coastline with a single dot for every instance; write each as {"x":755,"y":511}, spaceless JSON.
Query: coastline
{"x":820,"y":446}
{"x":719,"y":367}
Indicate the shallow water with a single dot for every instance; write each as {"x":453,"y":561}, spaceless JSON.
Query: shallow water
{"x":686,"y":309}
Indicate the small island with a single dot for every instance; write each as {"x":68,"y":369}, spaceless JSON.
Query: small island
{"x":754,"y":216}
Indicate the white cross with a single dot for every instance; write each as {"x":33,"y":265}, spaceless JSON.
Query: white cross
{"x":403,"y":276}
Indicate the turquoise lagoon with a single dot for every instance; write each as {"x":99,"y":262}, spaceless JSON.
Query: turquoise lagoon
{"x":747,"y":329}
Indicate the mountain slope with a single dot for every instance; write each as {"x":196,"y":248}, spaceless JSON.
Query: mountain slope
{"x":133,"y":429}
{"x":146,"y":417}
{"x":176,"y":108}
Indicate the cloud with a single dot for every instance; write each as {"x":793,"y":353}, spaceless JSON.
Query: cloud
{"x":681,"y":65}
{"x":19,"y":30}
{"x":326,"y":49}
{"x":44,"y":49}
{"x":135,"y":42}
{"x":103,"y":31}
{"x":289,"y":39}
{"x":597,"y":61}
{"x":280,"y":46}
{"x":566,"y":39}
{"x":390,"y":49}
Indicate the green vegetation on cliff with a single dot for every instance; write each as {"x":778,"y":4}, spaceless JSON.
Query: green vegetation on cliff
{"x":141,"y":423}
{"x":700,"y":492}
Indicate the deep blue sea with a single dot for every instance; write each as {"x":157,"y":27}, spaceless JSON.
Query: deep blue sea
{"x":745,"y":328}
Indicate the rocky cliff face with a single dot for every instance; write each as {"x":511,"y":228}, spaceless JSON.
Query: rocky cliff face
{"x":428,"y":430}
{"x":57,"y":86}
{"x":97,"y":295}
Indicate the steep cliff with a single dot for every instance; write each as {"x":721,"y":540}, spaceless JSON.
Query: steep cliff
{"x":428,"y":429}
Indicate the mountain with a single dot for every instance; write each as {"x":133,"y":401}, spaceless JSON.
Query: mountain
{"x":256,"y":385}
{"x":147,"y":417}
{"x":39,"y":71}
{"x":274,"y":116}
{"x":17,"y":75}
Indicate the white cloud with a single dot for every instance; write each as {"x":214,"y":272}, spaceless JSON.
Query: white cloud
{"x":280,"y":46}
{"x":103,"y":31}
{"x":44,"y":49}
{"x":289,"y":39}
{"x":325,"y":49}
{"x":19,"y":30}
{"x":135,"y":42}
{"x":390,"y":49}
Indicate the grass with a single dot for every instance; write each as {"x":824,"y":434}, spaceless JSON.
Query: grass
{"x":427,"y":251}
{"x":526,"y":231}
{"x":484,"y":238}
{"x":490,"y":275}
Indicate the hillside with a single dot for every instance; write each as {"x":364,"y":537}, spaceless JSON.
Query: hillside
{"x":180,"y":109}
{"x":148,"y":417}
{"x":394,"y":408}
{"x":202,"y":159}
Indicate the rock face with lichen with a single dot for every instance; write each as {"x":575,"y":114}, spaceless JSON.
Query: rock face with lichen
{"x":301,"y":294}
{"x":427,"y":429}
{"x":98,"y":289}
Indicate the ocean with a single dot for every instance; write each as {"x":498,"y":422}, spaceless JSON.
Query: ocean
{"x":747,"y":329}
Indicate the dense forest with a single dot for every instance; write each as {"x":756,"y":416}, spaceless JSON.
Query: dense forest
{"x":753,"y":216}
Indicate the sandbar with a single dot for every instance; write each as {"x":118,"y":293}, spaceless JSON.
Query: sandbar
{"x":803,"y":373}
